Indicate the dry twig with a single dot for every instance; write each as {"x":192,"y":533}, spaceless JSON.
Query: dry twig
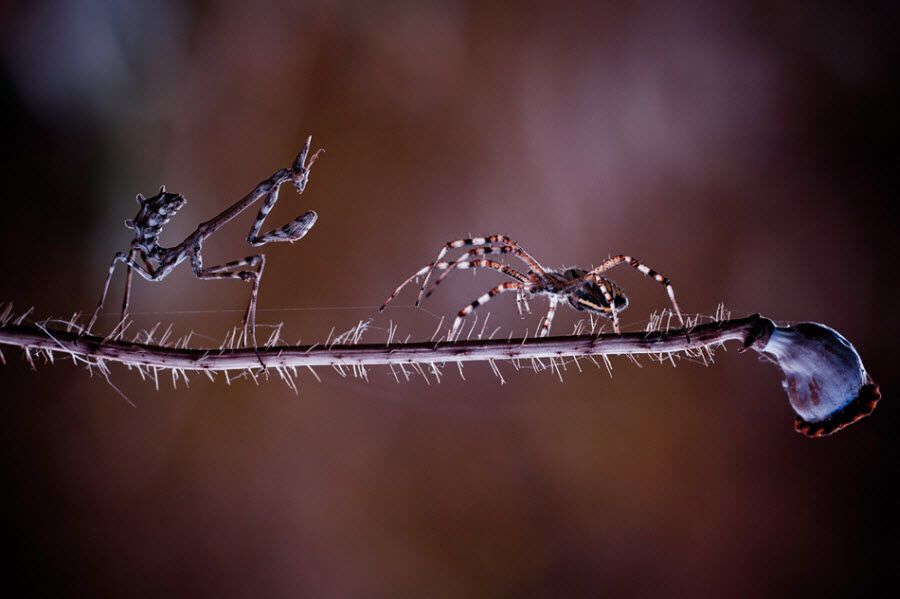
{"x":825,"y":380}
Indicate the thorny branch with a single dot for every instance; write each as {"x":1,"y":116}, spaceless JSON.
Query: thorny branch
{"x":371,"y":354}
{"x":824,"y":377}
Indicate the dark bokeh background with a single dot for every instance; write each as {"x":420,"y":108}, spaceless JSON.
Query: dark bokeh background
{"x":746,"y":150}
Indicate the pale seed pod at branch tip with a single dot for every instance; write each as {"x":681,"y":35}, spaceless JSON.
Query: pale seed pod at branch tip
{"x":827,"y":385}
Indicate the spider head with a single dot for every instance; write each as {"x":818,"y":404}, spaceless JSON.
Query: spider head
{"x":591,"y":298}
{"x":155,"y":212}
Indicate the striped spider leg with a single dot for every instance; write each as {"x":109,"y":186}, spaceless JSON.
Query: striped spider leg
{"x":604,"y":284}
{"x":548,"y":319}
{"x":504,"y":241}
{"x":462,"y":263}
{"x":580,"y":289}
{"x":482,"y":300}
{"x":551,"y":283}
{"x":154,"y":263}
{"x":480,"y":247}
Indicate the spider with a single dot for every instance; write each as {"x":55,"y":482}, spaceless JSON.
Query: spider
{"x":154,"y":263}
{"x":580,"y":289}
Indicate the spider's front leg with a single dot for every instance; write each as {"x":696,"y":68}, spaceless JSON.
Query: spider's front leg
{"x":457,"y":323}
{"x":506,"y":246}
{"x":548,"y":320}
{"x":247,"y":269}
{"x":464,"y":262}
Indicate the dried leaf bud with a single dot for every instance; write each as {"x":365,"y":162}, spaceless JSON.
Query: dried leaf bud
{"x":825,"y":380}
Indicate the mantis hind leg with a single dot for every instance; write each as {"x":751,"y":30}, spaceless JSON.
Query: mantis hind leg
{"x":130,"y":260}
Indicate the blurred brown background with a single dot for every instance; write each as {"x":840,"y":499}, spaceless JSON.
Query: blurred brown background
{"x":747,"y":150}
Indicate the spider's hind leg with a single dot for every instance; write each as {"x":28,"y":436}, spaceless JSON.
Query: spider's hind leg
{"x":593,"y":275}
{"x":613,"y":313}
